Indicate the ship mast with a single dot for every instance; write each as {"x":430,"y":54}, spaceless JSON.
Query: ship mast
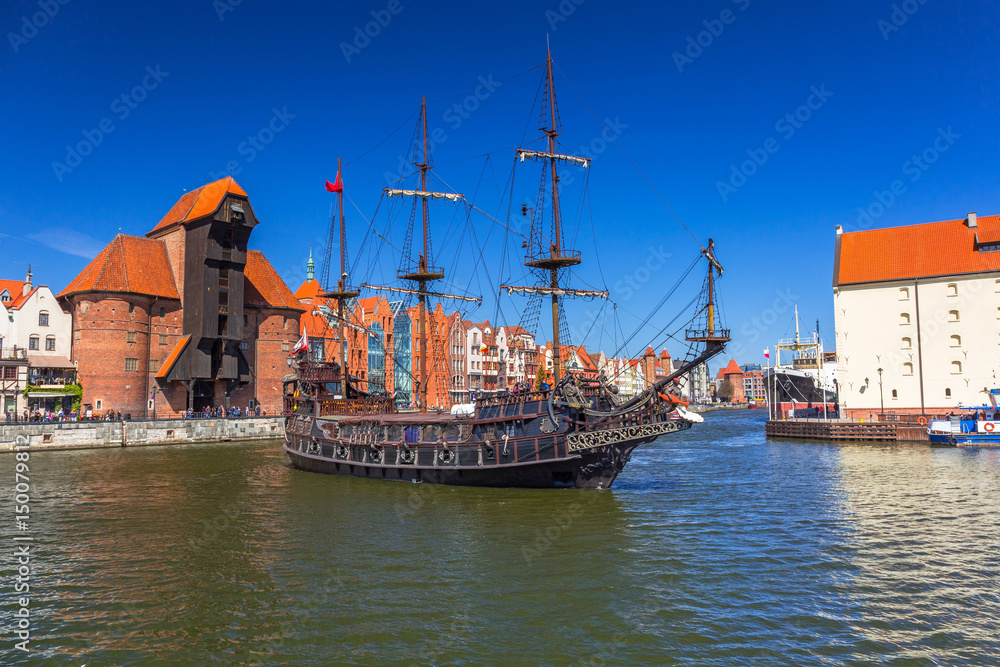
{"x":343,"y":291}
{"x":555,"y":257}
{"x":423,"y":272}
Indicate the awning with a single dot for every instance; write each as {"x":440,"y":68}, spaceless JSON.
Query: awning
{"x":47,"y":394}
{"x":45,"y":361}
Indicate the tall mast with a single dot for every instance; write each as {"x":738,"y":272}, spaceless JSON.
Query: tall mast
{"x":554,"y":257}
{"x":344,"y":291}
{"x":554,"y":271}
{"x":423,"y":264}
{"x":341,"y":287}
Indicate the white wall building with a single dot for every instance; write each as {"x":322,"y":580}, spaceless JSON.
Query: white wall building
{"x":921,"y":303}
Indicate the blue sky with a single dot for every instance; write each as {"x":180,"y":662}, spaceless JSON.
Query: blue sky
{"x":762,"y":125}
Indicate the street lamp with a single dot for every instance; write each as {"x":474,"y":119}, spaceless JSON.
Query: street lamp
{"x":881,"y":400}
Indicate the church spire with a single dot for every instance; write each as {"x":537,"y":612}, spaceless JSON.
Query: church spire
{"x":310,"y":266}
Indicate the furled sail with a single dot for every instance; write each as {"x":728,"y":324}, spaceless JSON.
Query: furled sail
{"x":582,"y":161}
{"x":452,"y":196}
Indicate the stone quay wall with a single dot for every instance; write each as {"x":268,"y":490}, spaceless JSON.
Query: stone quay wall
{"x":86,"y":435}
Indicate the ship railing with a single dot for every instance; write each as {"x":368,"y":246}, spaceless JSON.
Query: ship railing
{"x":355,"y":406}
{"x":510,"y":399}
{"x":314,"y":372}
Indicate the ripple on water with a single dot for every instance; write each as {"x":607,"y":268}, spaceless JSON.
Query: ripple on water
{"x":715,"y":547}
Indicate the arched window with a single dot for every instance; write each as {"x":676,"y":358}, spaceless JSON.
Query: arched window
{"x":947,"y":393}
{"x":956,"y":340}
{"x":50,"y":343}
{"x":904,"y":318}
{"x":33,"y":343}
{"x":43,"y":318}
{"x":956,"y":368}
{"x":894,"y":394}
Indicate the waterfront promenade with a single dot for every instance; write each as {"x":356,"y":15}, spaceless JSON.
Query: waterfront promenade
{"x":133,"y":433}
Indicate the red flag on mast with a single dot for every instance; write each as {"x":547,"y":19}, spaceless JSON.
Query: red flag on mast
{"x":336,"y":186}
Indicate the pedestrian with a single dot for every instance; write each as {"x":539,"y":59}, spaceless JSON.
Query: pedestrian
{"x":8,"y":416}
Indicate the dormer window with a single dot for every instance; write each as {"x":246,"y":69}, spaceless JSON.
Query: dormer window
{"x":5,"y":296}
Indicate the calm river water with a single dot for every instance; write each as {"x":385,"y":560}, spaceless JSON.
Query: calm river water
{"x":715,"y":547}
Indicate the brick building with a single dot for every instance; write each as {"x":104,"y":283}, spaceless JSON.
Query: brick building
{"x":733,"y":374}
{"x":185,"y":318}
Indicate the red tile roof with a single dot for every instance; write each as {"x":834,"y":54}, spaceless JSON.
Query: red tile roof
{"x":262,"y":286}
{"x":916,"y":251}
{"x":310,"y":289}
{"x":730,"y":369}
{"x":172,"y":358}
{"x":198,"y":203}
{"x":17,"y":296}
{"x":128,"y":264}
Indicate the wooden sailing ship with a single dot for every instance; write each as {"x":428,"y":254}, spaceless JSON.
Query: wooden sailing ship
{"x":576,"y":433}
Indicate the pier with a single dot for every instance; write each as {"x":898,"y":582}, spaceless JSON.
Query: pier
{"x":846,"y":429}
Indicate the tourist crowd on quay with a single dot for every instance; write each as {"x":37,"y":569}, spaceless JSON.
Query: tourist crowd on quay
{"x":46,"y":416}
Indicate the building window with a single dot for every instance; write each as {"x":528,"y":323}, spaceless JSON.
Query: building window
{"x":99,"y":404}
{"x":77,"y":334}
{"x":131,"y":308}
{"x":244,"y":346}
{"x":130,"y":336}
{"x":284,"y":346}
{"x":154,"y":365}
{"x":956,"y":368}
{"x":947,"y":393}
{"x":904,"y":293}
{"x":43,"y":319}
{"x":907,"y":369}
{"x":163,"y":339}
{"x":894,"y":394}
{"x":953,"y":316}
{"x":163,"y":312}
{"x":956,"y":341}
{"x":904,"y":318}
{"x":952,"y":289}
{"x":33,"y":343}
{"x":50,"y":343}
{"x":131,"y":364}
{"x":907,"y":343}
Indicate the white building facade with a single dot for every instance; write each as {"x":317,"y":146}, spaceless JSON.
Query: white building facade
{"x":917,"y":315}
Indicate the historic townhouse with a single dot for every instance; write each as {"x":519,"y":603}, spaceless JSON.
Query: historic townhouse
{"x":917,"y":313}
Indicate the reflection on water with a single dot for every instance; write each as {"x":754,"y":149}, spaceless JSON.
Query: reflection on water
{"x":714,"y":547}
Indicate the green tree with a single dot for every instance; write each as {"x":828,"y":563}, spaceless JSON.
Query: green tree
{"x":539,"y":378}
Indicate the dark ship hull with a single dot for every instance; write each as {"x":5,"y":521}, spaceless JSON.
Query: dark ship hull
{"x":442,"y":449}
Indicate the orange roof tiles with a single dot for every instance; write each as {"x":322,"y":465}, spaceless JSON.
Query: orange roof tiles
{"x":17,"y":295}
{"x":731,"y":369}
{"x":310,"y":289}
{"x":198,"y":203}
{"x":262,"y":286}
{"x":172,"y":358}
{"x":128,"y":264}
{"x":915,"y":251}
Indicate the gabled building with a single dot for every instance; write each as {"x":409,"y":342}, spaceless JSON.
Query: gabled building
{"x":35,"y":328}
{"x":917,"y":316}
{"x":734,"y":374}
{"x":186,"y":317}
